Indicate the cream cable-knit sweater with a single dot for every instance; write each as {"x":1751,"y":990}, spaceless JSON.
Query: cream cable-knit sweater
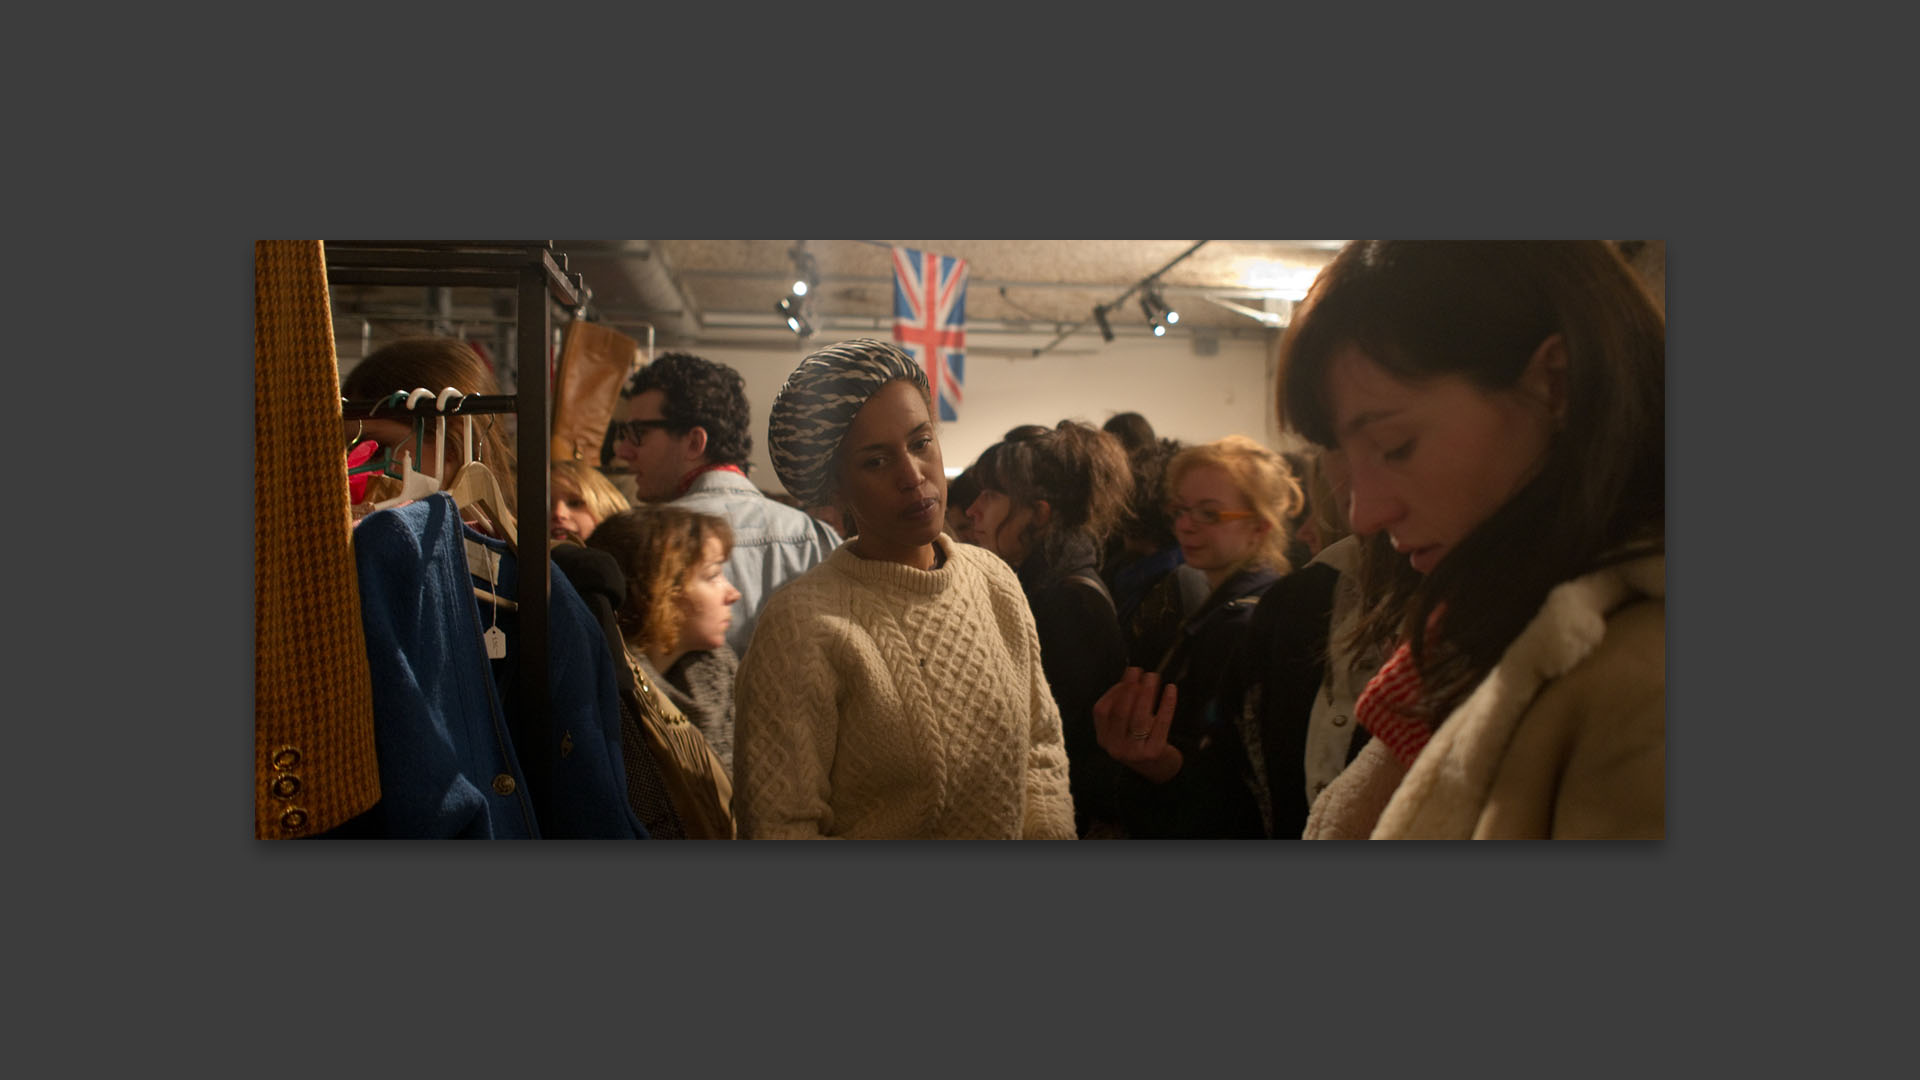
{"x":881,"y":701}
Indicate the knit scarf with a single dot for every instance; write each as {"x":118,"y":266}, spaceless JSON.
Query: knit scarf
{"x":1392,"y":708}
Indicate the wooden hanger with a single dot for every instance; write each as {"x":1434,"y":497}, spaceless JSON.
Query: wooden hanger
{"x":475,"y":486}
{"x":440,"y":460}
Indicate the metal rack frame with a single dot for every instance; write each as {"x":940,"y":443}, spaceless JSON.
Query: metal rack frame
{"x":536,"y":272}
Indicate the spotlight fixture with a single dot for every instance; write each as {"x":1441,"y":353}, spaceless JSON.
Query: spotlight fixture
{"x":806,"y":270}
{"x":1100,"y":316}
{"x":1153,"y":295}
{"x":790,"y":309}
{"x":1153,"y":317}
{"x":806,"y":281}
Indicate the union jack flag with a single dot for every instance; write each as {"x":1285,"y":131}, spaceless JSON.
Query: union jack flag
{"x":929,"y":320}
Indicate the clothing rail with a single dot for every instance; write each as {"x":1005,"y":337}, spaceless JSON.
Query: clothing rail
{"x":536,"y":272}
{"x":467,"y":405}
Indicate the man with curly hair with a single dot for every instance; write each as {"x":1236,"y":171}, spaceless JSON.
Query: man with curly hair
{"x":682,"y":432}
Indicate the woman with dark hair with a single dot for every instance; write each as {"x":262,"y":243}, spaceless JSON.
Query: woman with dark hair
{"x":1046,"y":504}
{"x":435,"y":364}
{"x":1143,"y":563}
{"x":1232,"y":499}
{"x":1133,"y":431}
{"x":961,"y":491}
{"x":1501,"y":409}
{"x":895,"y":691}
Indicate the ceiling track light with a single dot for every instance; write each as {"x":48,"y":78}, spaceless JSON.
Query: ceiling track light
{"x":1153,"y":294}
{"x":790,"y":309}
{"x":1147,"y":285}
{"x":1153,"y":316}
{"x":806,"y":271}
{"x":806,"y":284}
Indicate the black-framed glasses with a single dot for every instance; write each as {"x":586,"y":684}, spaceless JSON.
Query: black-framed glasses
{"x":632,"y":430}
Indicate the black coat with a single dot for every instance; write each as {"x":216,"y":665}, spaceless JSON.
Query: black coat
{"x":1265,"y":698}
{"x":1271,"y":689}
{"x":1082,"y":655}
{"x":1208,"y":798}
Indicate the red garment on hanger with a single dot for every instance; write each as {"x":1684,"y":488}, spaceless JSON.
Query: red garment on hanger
{"x":356,"y":457}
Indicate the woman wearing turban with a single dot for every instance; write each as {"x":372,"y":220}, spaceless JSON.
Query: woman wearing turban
{"x":895,"y":690}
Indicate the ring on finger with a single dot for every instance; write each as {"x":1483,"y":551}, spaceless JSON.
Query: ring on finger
{"x":1140,"y":736}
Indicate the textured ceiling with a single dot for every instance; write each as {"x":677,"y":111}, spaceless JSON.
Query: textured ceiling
{"x":1013,"y":285}
{"x":1019,"y":291}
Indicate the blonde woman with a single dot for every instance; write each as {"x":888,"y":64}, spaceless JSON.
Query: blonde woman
{"x":582,"y":498}
{"x":1230,"y":502}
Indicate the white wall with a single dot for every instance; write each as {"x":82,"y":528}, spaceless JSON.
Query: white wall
{"x":1187,"y":397}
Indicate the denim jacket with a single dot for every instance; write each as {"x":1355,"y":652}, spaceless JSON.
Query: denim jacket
{"x":772,"y":542}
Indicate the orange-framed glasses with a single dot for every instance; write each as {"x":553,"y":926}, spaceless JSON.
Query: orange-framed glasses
{"x":1205,"y":515}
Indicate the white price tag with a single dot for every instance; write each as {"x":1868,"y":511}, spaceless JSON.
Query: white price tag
{"x":496,"y":643}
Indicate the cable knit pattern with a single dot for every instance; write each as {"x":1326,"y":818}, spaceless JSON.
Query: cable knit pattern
{"x":882,"y":701}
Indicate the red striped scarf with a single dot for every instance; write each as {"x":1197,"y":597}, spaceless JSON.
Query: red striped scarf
{"x":1391,"y":707}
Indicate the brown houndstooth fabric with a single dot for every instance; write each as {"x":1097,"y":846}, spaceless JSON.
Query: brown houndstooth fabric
{"x":313,"y":760}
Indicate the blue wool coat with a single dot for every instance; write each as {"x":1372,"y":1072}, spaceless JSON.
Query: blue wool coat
{"x":442,"y":730}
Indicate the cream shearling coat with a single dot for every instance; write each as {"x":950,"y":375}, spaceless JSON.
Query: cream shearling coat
{"x":883,"y":701}
{"x":1566,"y":736}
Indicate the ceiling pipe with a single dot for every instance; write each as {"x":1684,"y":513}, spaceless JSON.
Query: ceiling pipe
{"x":657,"y":286}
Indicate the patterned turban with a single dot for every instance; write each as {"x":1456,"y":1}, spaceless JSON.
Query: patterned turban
{"x":817,"y":405}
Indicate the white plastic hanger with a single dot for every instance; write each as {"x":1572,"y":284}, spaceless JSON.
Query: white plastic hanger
{"x":440,"y":431}
{"x":413,"y":485}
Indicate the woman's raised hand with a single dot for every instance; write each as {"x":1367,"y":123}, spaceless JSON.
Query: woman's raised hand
{"x":1133,"y":731}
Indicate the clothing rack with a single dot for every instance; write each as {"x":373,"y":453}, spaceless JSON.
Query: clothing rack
{"x":536,"y":272}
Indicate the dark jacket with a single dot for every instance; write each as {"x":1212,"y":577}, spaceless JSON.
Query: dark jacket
{"x":447,"y":763}
{"x":1207,"y":798}
{"x":1082,"y":655}
{"x":589,"y":795}
{"x":1152,"y":625}
{"x":1258,"y":719}
{"x":1270,"y":689}
{"x":603,"y":586}
{"x":447,"y":730}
